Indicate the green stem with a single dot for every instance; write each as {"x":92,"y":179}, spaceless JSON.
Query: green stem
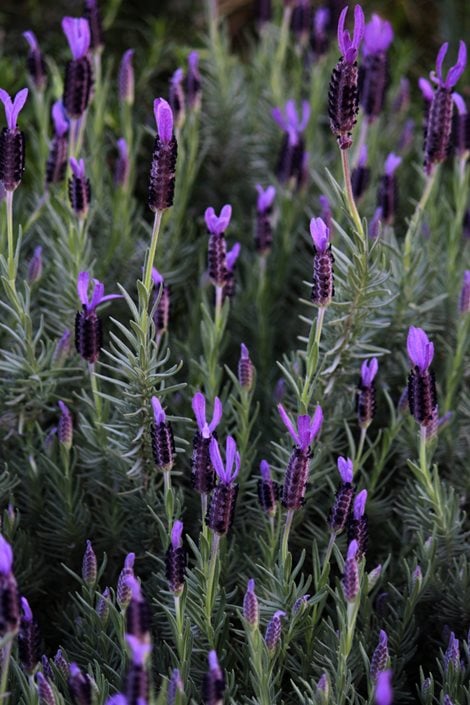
{"x":180,"y":645}
{"x":11,"y":247}
{"x":312,"y":361}
{"x":210,"y":578}
{"x":168,"y":497}
{"x":357,"y":459}
{"x":219,"y":291}
{"x":95,"y":392}
{"x":414,"y":222}
{"x":5,"y":670}
{"x":351,"y":203}
{"x":152,"y":250}
{"x":285,"y":536}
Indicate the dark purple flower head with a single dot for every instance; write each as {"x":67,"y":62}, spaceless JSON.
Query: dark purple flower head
{"x":77,"y":31}
{"x":378,"y":35}
{"x":61,"y":124}
{"x":454,"y":72}
{"x":369,"y":369}
{"x":232,"y":256}
{"x":420,"y":349}
{"x":464,"y":300}
{"x":199,"y":408}
{"x":265,"y":198}
{"x":232,"y":460}
{"x":164,"y":119}
{"x":139,"y":649}
{"x":126,"y":77}
{"x":345,"y":469}
{"x":307,"y":428}
{"x":320,"y":233}
{"x":251,"y":605}
{"x":27,"y":613}
{"x":290,"y":121}
{"x":383,"y":688}
{"x":359,"y":505}
{"x":347,"y":46}
{"x":216,"y":225}
{"x":426,"y":89}
{"x":176,"y":534}
{"x":6,"y":557}
{"x":391,"y":164}
{"x":158,"y":411}
{"x":13,"y":107}
{"x":97,"y":298}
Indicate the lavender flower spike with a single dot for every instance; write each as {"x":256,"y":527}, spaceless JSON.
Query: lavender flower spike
{"x":199,"y":408}
{"x":420,"y":349}
{"x":221,"y":510}
{"x":251,"y":605}
{"x":455,"y":71}
{"x":307,"y":428}
{"x":273,"y":630}
{"x":383,"y":689}
{"x":358,"y":529}
{"x":349,"y":47}
{"x":246,"y":369}
{"x":213,"y":682}
{"x":340,"y":510}
{"x":175,"y":686}
{"x":12,"y":152}
{"x":379,"y":660}
{"x":175,"y":560}
{"x":360,"y":505}
{"x":77,"y":31}
{"x":369,"y":369}
{"x":163,"y":442}
{"x":378,"y":35}
{"x":35,"y":62}
{"x":228,"y":472}
{"x":65,"y":426}
{"x":268,"y":490}
{"x":88,"y":326}
{"x":351,"y":583}
{"x":165,"y":151}
{"x":79,"y":188}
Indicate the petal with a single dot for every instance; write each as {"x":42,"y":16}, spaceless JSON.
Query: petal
{"x":164,"y":119}
{"x":279,"y":118}
{"x":225,"y":215}
{"x":459,"y":103}
{"x":383,"y":688}
{"x":7,"y":104}
{"x":345,"y":469}
{"x":440,"y":59}
{"x":457,"y":70}
{"x":360,"y":505}
{"x":28,"y":615}
{"x":61,"y":124}
{"x":209,"y":216}
{"x":158,"y":412}
{"x":6,"y":557}
{"x":199,"y":408}
{"x":230,"y":454}
{"x":359,"y":25}
{"x":288,"y":424}
{"x":217,"y":415}
{"x":391,"y":164}
{"x":291,"y":115}
{"x":420,"y":350}
{"x":98,"y":293}
{"x":31,"y":39}
{"x":305,"y":115}
{"x":265,"y":470}
{"x":176,"y":533}
{"x":426,"y":89}
{"x":316,"y":422}
{"x":83,"y":283}
{"x":341,"y":21}
{"x":77,"y":31}
{"x":352,"y":550}
{"x":140,"y":650}
{"x":320,"y":234}
{"x":156,"y":277}
{"x":232,"y":256}
{"x":265,"y":198}
{"x":303,"y":426}
{"x":216,"y":459}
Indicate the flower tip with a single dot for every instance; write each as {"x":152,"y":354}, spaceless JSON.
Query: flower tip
{"x":164,"y":119}
{"x":320,"y":234}
{"x":346,"y":469}
{"x":352,"y":550}
{"x":158,"y":411}
{"x":265,"y":470}
{"x":6,"y":556}
{"x":176,"y":534}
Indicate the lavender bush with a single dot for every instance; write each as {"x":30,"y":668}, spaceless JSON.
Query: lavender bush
{"x":242,"y":475}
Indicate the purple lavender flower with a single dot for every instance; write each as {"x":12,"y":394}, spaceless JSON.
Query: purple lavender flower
{"x":301,"y":21}
{"x":422,"y":396}
{"x":80,"y":686}
{"x":28,"y":639}
{"x":439,"y":119}
{"x":460,"y":135}
{"x":366,"y":393}
{"x":161,"y":188}
{"x":251,"y":605}
{"x":35,"y":266}
{"x":407,"y":135}
{"x":79,"y":188}
{"x":45,"y":692}
{"x":65,"y":426}
{"x":300,"y":604}
{"x":464,"y":300}
{"x":351,"y":582}
{"x":137,"y":684}
{"x":374,"y":74}
{"x":175,"y":686}
{"x":58,"y":149}
{"x":35,"y":62}
{"x":387,"y":193}
{"x":323,"y":688}
{"x":379,"y":660}
{"x":296,"y":477}
{"x":452,"y":654}
{"x":176,"y":97}
{"x":126,"y":78}
{"x":138,"y":615}
{"x":358,"y":527}
{"x":89,"y":565}
{"x":12,"y":154}
{"x":175,"y":560}
{"x":401,"y":101}
{"x":230,"y":262}
{"x":122,"y":167}
{"x":246,"y":369}
{"x":291,"y":158}
{"x":417,"y":576}
{"x":323,"y":279}
{"x":383,"y":689}
{"x":273,"y":631}
{"x":123,"y":591}
{"x":222,"y":502}
{"x":343,"y":97}
{"x":78,"y":73}
{"x":319,"y":39}
{"x":88,"y":326}
{"x":217,"y":250}
{"x":326,"y":214}
{"x":360,"y":175}
{"x":339,"y":513}
{"x":264,"y":225}
{"x":213,"y":682}
{"x":163,"y":442}
{"x":92,"y":14}
{"x":202,"y":470}
{"x":193,"y":82}
{"x":161,"y":316}
{"x":62,"y":664}
{"x":268,"y":490}
{"x":102,"y":605}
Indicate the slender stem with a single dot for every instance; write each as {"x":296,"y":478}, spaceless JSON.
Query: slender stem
{"x":179,"y":628}
{"x":349,"y":193}
{"x":312,"y":360}
{"x":319,"y":324}
{"x":95,"y":392}
{"x":285,"y":536}
{"x":11,"y":247}
{"x":219,"y":291}
{"x":357,"y":459}
{"x":152,"y":249}
{"x":422,"y":451}
{"x":430,"y":180}
{"x":210,"y":577}
{"x":168,"y":496}
{"x":5,"y":670}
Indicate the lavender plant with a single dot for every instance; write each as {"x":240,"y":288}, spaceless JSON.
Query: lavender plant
{"x":163,"y":539}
